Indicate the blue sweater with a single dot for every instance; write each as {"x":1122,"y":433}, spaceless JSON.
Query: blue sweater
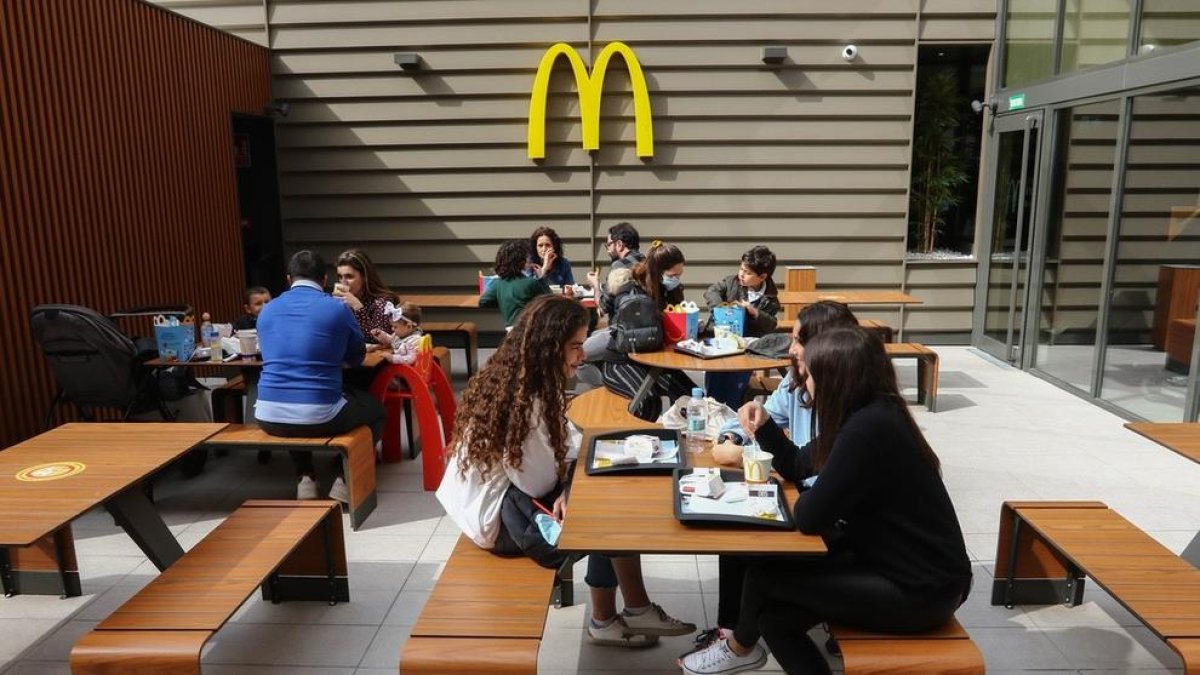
{"x":306,"y":336}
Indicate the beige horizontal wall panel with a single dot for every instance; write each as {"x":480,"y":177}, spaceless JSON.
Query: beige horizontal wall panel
{"x":1151,"y":155}
{"x":286,"y":13}
{"x":302,"y":161}
{"x":936,"y":8}
{"x":707,"y":251}
{"x":514,"y":107}
{"x":716,"y":9}
{"x":662,"y":83}
{"x":758,"y":228}
{"x":730,"y":154}
{"x":649,"y":178}
{"x":513,"y":133}
{"x":608,"y":203}
{"x":944,"y":296}
{"x":364,"y":183}
{"x":415,"y":229}
{"x":785,"y":30}
{"x":399,"y":206}
{"x":1137,"y":179}
{"x":941,"y":274}
{"x":958,"y":29}
{"x":937,"y":320}
{"x":415,"y":36}
{"x":224,"y":15}
{"x":525,"y":59}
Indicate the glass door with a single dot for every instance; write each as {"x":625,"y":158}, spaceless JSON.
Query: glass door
{"x":1004,"y":273}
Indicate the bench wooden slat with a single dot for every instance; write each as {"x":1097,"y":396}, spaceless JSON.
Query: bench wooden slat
{"x":481,"y":595}
{"x":251,"y":434}
{"x":205,"y":587}
{"x":112,"y":652}
{"x":911,"y":657}
{"x":437,"y":656}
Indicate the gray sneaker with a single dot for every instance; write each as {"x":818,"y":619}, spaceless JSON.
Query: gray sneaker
{"x":655,"y":621}
{"x":617,"y":634}
{"x":339,"y":491}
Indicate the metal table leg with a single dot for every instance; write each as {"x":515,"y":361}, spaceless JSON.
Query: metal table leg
{"x":136,"y":514}
{"x":643,"y":391}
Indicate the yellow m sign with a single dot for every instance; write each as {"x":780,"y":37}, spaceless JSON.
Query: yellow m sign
{"x":591,"y":88}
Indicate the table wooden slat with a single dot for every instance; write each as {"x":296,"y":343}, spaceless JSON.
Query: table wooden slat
{"x":673,"y":360}
{"x":848,"y":297}
{"x":116,"y":456}
{"x":1180,"y":437}
{"x":636,"y":514}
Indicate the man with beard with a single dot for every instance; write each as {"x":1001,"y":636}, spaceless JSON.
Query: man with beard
{"x":622,"y":246}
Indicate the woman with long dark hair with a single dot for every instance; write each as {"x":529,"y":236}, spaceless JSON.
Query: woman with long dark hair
{"x":361,"y":289}
{"x":900,"y":565}
{"x":511,"y":445}
{"x":513,"y":290}
{"x":658,"y":276}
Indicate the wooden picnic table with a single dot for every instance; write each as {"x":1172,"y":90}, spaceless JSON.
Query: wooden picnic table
{"x":669,"y":359}
{"x":53,"y":478}
{"x":848,"y":297}
{"x":1180,"y":437}
{"x":636,"y":514}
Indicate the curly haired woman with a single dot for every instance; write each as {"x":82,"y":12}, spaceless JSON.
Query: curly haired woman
{"x":511,"y":445}
{"x":513,"y":290}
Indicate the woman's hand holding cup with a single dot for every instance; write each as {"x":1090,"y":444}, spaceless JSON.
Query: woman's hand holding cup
{"x":752,"y":416}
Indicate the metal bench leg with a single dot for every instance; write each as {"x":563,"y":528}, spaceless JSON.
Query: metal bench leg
{"x":643,"y":391}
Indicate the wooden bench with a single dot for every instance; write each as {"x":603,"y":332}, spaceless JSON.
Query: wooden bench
{"x":1045,"y":549}
{"x":292,"y":550}
{"x":947,"y":650}
{"x":886,"y":333}
{"x":358,"y":459}
{"x":927,"y":369}
{"x":602,"y":409}
{"x":464,"y":329}
{"x":485,"y":615}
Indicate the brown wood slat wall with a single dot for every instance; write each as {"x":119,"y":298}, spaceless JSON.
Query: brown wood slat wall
{"x":117,"y":185}
{"x":428,"y":171}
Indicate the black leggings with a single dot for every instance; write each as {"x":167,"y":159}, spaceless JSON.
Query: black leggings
{"x":624,"y":378}
{"x":783,"y":598}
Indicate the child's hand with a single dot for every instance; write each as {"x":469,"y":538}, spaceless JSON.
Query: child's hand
{"x":381,"y":336}
{"x":593,"y":279}
{"x":750,"y":309}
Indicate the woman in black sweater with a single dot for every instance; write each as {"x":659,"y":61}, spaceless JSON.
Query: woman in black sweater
{"x":897,"y":562}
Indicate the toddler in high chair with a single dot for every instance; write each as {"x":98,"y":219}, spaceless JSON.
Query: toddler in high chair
{"x":406,"y":332}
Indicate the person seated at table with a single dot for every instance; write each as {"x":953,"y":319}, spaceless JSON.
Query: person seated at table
{"x":623,"y":248}
{"x":546,"y":251}
{"x":753,"y":289}
{"x":658,"y":276}
{"x":790,"y":408}
{"x":513,"y":290}
{"x":405,"y":335}
{"x":306,"y":336}
{"x":511,"y":444}
{"x":899,"y":564}
{"x":257,"y":297}
{"x":360,"y":287}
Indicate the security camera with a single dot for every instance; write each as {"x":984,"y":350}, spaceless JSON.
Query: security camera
{"x":849,"y":52}
{"x":977,"y":106}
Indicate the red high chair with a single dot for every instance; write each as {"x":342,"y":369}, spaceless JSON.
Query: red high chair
{"x":434,"y":419}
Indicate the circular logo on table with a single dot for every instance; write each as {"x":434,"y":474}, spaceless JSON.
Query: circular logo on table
{"x":52,"y":471}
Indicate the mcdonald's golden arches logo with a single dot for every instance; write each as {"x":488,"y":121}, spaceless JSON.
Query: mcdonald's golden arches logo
{"x":591,"y":88}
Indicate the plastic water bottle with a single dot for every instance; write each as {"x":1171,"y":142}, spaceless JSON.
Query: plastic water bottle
{"x":697,"y":421}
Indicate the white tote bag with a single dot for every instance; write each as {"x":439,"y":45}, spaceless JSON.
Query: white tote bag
{"x":473,"y":504}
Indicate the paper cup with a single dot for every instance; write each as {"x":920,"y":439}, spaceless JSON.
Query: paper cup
{"x":756,"y":465}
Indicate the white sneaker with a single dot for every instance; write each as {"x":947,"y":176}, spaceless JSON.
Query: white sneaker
{"x":617,"y":634}
{"x":339,"y":491}
{"x":719,"y":659}
{"x":306,"y":488}
{"x":655,"y":621}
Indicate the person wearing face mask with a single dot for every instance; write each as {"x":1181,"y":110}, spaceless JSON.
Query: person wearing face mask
{"x":658,"y":276}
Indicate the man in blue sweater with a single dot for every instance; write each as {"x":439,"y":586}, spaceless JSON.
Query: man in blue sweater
{"x":306,"y":336}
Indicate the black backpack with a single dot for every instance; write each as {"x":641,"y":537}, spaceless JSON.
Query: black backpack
{"x":636,"y":324}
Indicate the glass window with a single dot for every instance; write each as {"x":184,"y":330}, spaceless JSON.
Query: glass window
{"x":1094,"y":32}
{"x":1029,"y":41}
{"x":1075,"y":242}
{"x":1166,"y":23}
{"x":1152,"y":310}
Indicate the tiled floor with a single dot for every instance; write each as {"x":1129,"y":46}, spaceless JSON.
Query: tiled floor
{"x":1001,"y":434}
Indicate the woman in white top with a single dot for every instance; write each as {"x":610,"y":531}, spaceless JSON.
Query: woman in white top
{"x":511,"y":444}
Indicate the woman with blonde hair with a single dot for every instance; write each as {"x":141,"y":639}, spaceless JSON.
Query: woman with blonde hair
{"x":511,"y":444}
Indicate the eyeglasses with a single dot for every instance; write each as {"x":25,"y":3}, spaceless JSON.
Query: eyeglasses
{"x":609,"y":243}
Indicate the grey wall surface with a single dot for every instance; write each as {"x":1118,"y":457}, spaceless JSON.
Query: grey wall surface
{"x":428,"y":171}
